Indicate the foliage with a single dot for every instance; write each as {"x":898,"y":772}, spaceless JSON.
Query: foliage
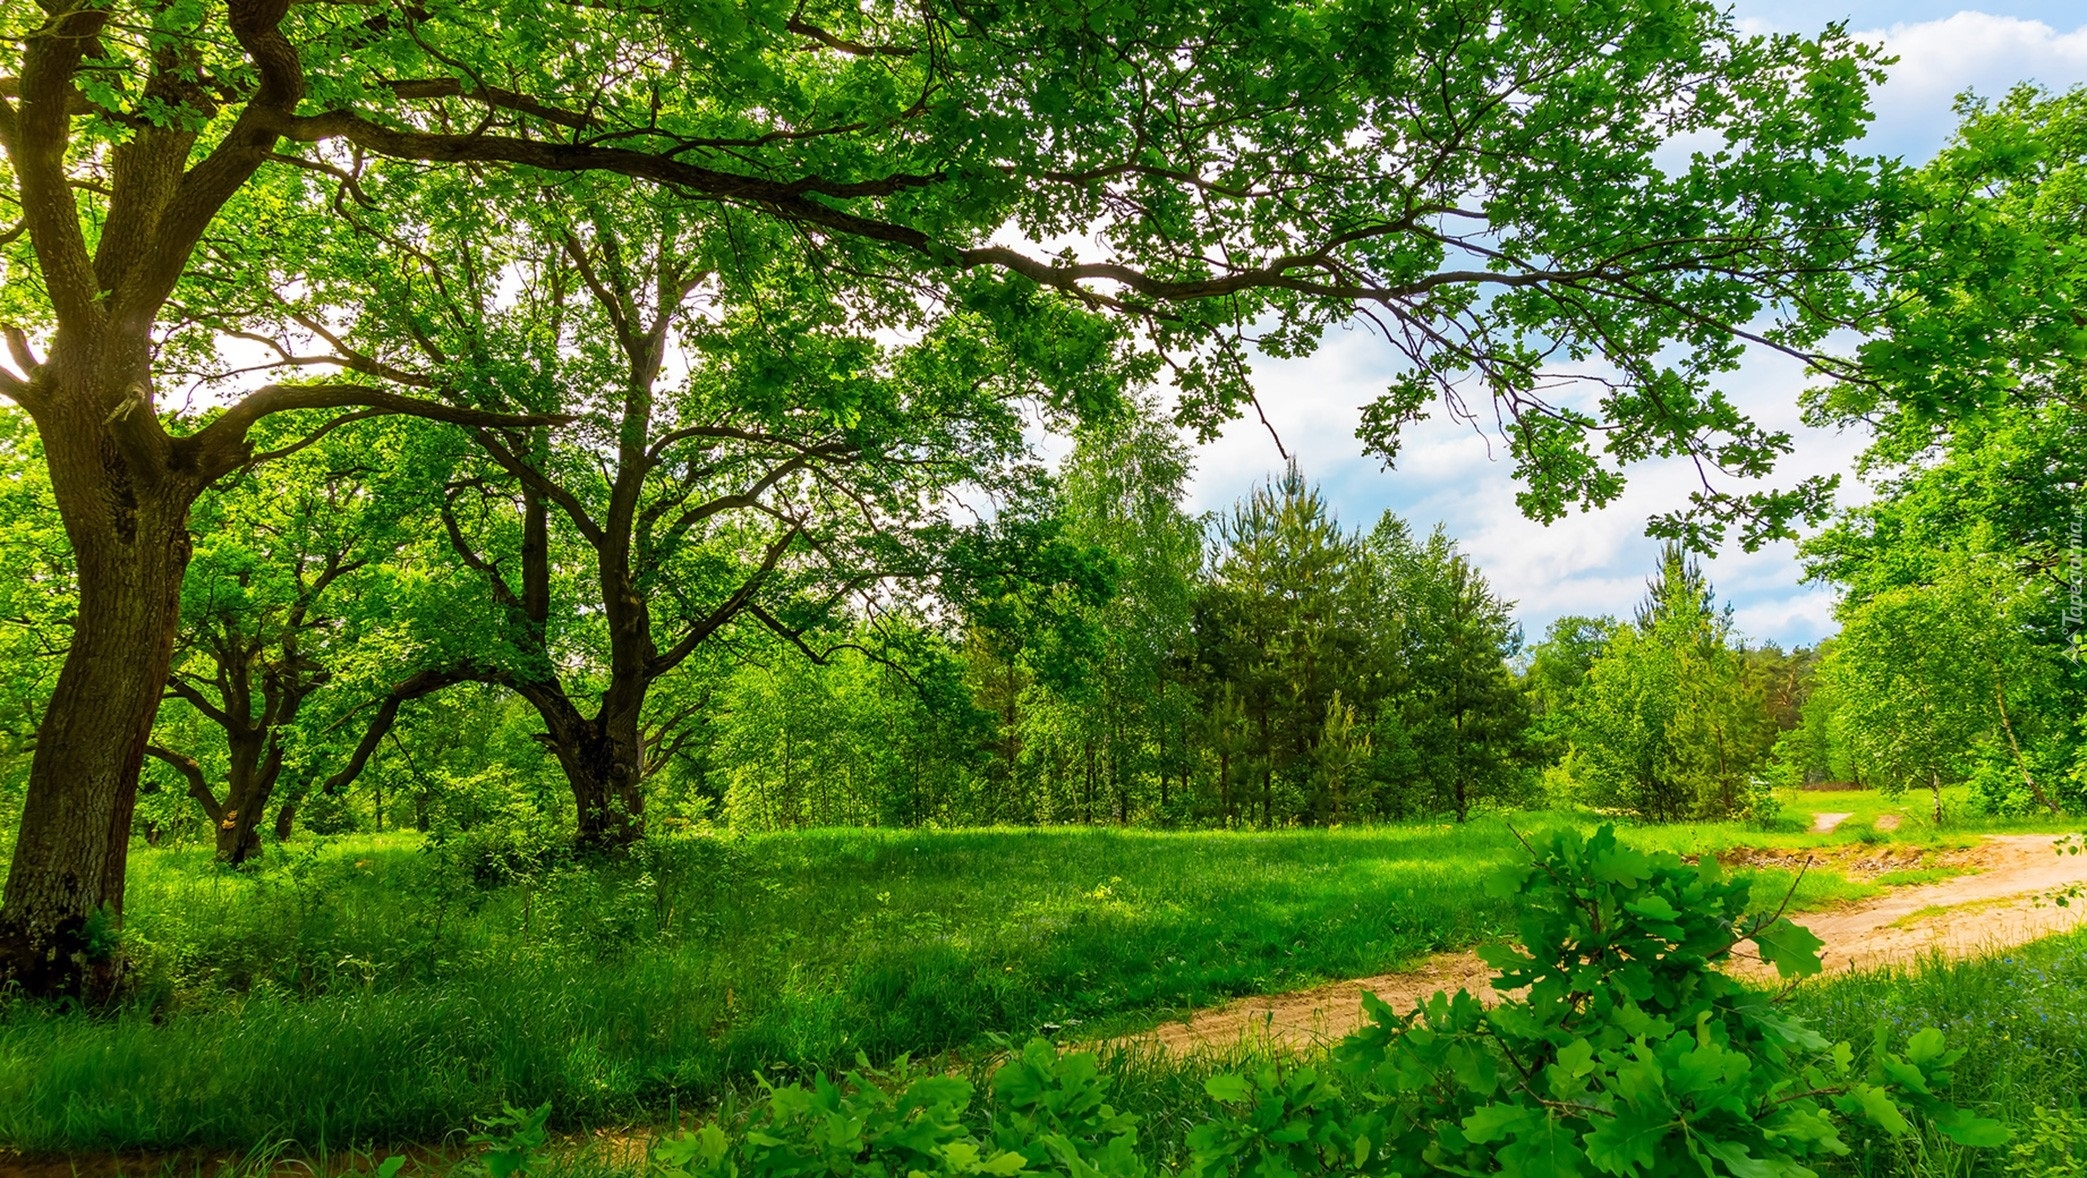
{"x":37,"y":597}
{"x":1113,"y":670}
{"x":1671,"y":718}
{"x":1972,"y":536}
{"x":1923,"y":674}
{"x":1454,"y":711}
{"x":511,"y":1139}
{"x":1286,"y":621}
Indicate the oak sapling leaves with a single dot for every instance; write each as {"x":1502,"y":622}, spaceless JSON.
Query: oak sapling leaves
{"x":1790,"y":947}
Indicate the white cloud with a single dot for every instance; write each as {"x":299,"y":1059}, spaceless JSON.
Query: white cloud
{"x":1980,"y":52}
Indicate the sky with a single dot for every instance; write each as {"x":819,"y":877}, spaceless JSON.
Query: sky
{"x":1597,"y":563}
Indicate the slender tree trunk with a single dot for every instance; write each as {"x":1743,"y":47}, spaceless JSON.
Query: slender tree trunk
{"x":130,"y":541}
{"x":2021,"y":762}
{"x":286,"y":814}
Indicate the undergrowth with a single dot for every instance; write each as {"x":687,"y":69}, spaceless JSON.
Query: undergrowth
{"x":379,"y":989}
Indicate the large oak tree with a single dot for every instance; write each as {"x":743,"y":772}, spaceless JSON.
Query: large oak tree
{"x":1616,"y":196}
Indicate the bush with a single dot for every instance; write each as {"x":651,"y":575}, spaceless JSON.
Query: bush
{"x":514,"y":845}
{"x":1621,"y":1048}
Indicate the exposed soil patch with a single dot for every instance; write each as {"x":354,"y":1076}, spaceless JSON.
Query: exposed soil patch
{"x":2004,"y":903}
{"x":1824,"y":822}
{"x":1863,"y":861}
{"x":1324,"y":1012}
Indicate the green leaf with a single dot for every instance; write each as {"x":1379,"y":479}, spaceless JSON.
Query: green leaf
{"x":1792,"y":948}
{"x":1926,"y":1044}
{"x":1963,"y":1128}
{"x":1625,"y":1142}
{"x":1654,"y":907}
{"x":1876,"y":1106}
{"x":1742,"y":1163}
{"x":1494,"y":1121}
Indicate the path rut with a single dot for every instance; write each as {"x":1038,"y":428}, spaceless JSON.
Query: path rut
{"x":1995,"y":908}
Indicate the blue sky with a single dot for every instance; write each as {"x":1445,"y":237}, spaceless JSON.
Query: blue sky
{"x":1596,"y":563}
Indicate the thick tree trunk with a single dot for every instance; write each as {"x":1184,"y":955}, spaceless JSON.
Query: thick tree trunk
{"x":605,"y":772}
{"x":603,"y":759}
{"x":129,"y":533}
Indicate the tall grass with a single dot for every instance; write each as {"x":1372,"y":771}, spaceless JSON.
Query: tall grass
{"x":374,"y":989}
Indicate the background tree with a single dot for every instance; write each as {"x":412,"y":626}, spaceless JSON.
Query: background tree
{"x":1029,"y":598}
{"x":741,"y":451}
{"x":1924,"y":675}
{"x":286,"y":579}
{"x":1554,"y":670}
{"x":1282,"y":628}
{"x":1463,"y":715}
{"x":1974,"y":399}
{"x":1121,"y":489}
{"x":1666,"y":722}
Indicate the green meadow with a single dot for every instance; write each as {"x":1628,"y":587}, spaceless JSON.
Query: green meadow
{"x":386,"y":988}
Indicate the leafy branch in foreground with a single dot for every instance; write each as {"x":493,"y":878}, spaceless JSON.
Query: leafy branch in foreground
{"x":1620,"y":1048}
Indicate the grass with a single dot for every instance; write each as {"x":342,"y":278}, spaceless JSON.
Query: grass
{"x":2019,"y":1015}
{"x":1915,"y":876}
{"x":370,"y":990}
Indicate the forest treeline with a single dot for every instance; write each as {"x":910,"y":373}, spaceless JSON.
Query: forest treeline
{"x":1091,"y":652}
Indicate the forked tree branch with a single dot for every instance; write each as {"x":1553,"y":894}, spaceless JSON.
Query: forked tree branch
{"x":198,"y":788}
{"x":222,"y":446}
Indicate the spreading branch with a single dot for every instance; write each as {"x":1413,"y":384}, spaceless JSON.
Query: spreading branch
{"x":222,"y":446}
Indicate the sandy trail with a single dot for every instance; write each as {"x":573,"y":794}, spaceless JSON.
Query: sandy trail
{"x":1995,"y":908}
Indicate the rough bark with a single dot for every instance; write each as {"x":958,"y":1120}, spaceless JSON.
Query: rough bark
{"x":604,"y":762}
{"x":129,"y":532}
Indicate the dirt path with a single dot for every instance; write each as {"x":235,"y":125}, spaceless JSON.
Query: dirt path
{"x":1992,"y":909}
{"x":1824,"y":821}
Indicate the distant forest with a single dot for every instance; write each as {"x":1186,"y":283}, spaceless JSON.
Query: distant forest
{"x":356,"y":654}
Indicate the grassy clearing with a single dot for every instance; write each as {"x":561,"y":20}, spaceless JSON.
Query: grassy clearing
{"x":370,"y":990}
